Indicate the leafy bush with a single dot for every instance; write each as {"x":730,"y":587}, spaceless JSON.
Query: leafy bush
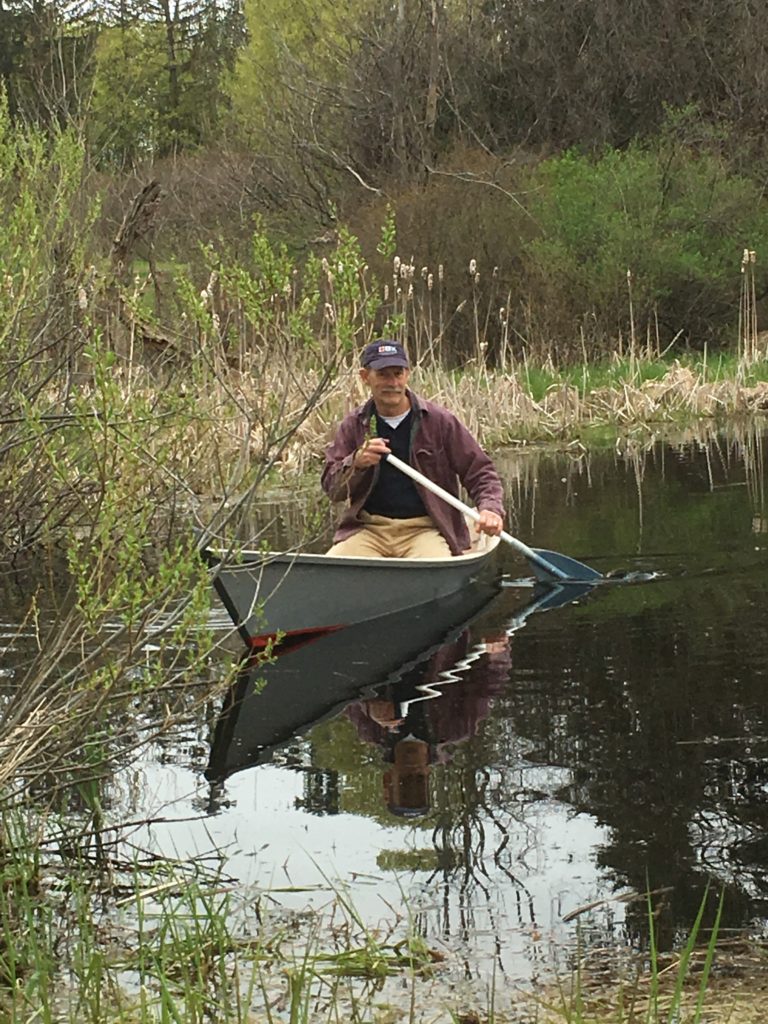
{"x":552,"y":241}
{"x":45,"y":221}
{"x":676,"y":220}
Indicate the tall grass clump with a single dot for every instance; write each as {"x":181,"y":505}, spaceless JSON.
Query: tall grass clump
{"x":672,"y":1012}
{"x":674,"y":989}
{"x":95,"y":930}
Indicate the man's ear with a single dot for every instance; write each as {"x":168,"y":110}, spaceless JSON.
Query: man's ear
{"x":364,"y":375}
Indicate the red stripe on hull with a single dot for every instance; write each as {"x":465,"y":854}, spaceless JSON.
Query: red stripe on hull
{"x":289,"y":641}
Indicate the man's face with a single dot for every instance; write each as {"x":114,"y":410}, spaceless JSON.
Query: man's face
{"x":387,"y":388}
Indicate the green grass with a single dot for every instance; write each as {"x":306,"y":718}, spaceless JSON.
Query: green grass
{"x":141,"y":942}
{"x":620,"y":371}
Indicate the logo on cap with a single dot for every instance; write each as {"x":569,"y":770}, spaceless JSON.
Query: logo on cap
{"x":383,"y":353}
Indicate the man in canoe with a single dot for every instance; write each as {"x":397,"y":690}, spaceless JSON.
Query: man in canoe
{"x":388,"y":515}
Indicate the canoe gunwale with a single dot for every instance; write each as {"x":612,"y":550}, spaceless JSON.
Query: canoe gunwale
{"x":233,"y":559}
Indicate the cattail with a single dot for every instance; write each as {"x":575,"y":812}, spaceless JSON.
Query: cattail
{"x":430,"y":281}
{"x":495,"y":272}
{"x":410,"y":291}
{"x":330,"y":316}
{"x":424,"y":273}
{"x":477,"y":279}
{"x":82,"y":298}
{"x":440,"y":272}
{"x":472,"y":268}
{"x":396,"y":263}
{"x":386,"y":293}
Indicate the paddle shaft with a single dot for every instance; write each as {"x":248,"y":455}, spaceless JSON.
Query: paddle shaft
{"x":450,"y":499}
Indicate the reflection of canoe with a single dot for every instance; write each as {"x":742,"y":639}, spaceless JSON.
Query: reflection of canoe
{"x":270,"y":704}
{"x":317,"y":680}
{"x":303,"y":596}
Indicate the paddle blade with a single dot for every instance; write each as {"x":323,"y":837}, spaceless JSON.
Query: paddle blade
{"x":575,"y":572}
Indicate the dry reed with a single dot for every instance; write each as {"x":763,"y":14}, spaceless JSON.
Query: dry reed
{"x":498,"y":407}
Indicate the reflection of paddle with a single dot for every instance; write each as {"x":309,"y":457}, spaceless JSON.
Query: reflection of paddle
{"x":548,"y":566}
{"x":555,"y":596}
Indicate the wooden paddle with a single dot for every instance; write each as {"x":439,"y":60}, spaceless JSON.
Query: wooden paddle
{"x":548,"y":566}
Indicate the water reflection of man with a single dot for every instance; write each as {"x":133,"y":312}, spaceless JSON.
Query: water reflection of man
{"x":416,"y":731}
{"x":406,"y":782}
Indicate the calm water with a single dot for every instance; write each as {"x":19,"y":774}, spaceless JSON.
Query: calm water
{"x":505,"y":774}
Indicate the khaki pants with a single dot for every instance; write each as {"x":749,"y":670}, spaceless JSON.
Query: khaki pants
{"x":394,"y":538}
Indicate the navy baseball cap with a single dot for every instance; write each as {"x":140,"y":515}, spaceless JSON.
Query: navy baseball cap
{"x":379,"y":354}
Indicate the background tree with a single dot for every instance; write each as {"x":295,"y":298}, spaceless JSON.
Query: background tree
{"x":45,"y":52}
{"x":322,"y":114}
{"x":158,"y":86}
{"x":338,"y":101}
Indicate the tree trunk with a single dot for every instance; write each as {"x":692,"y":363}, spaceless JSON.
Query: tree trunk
{"x":174,"y":93}
{"x":429,"y":151}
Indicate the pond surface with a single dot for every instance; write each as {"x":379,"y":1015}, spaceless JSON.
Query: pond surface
{"x":502,"y":772}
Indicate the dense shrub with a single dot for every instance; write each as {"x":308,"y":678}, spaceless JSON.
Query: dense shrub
{"x":677,"y":222}
{"x":591,"y":251}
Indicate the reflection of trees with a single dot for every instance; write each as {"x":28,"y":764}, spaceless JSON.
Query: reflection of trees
{"x":321,"y":792}
{"x":629,"y":704}
{"x":480,"y":833}
{"x":731,"y":827}
{"x":624,"y":511}
{"x":634,"y":692}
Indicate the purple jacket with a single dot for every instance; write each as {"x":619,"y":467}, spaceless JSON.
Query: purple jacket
{"x":441,"y":448}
